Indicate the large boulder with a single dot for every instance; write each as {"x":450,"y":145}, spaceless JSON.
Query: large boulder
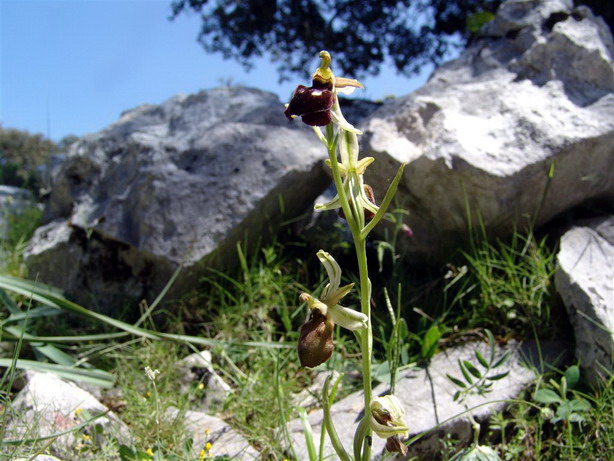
{"x":533,"y":95}
{"x":585,"y":280}
{"x":179,"y":183}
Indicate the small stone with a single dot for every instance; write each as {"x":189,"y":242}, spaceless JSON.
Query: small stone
{"x":197,"y":369}
{"x":203,"y":429}
{"x":49,"y":404}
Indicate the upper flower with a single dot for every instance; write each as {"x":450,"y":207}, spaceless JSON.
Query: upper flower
{"x":314,"y":104}
{"x":315,"y":344}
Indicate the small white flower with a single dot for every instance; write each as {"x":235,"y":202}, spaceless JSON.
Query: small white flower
{"x":151,"y":374}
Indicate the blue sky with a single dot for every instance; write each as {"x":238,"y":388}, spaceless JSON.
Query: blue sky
{"x":72,"y":66}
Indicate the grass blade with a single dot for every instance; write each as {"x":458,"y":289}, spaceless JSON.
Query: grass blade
{"x":94,"y":376}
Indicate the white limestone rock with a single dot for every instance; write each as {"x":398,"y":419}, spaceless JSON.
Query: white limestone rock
{"x":174,"y":184}
{"x":224,"y":440}
{"x":535,"y":92}
{"x":198,"y":368}
{"x":585,"y":280}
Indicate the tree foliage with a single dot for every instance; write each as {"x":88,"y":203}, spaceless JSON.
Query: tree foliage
{"x":361,"y":34}
{"x":21,"y":153}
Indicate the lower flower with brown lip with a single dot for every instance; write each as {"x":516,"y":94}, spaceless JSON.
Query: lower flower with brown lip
{"x":315,"y":345}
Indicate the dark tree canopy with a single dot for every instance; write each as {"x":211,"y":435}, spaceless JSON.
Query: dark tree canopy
{"x":360,"y":34}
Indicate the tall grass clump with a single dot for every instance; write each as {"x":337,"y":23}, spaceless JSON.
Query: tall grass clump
{"x":506,"y":286}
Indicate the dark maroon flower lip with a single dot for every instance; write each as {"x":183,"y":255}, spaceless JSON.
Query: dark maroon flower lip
{"x":313,"y":105}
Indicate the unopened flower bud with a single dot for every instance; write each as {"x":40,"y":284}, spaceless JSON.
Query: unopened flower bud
{"x":407,"y":231}
{"x":547,"y":413}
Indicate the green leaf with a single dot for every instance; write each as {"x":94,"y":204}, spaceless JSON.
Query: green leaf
{"x":580,"y":405}
{"x":547,"y":396}
{"x":563,"y":412}
{"x":572,"y":375}
{"x":311,"y":449}
{"x":481,"y":359}
{"x":49,"y":296}
{"x":431,"y":340}
{"x":327,"y":401}
{"x":491,"y":344}
{"x":93,"y":376}
{"x":457,"y":381}
{"x":502,"y":360}
{"x":477,"y":20}
{"x":472,"y":369}
{"x":43,"y":311}
{"x":48,"y":350}
{"x":465,"y":372}
{"x":126,"y":453}
{"x":498,"y":376}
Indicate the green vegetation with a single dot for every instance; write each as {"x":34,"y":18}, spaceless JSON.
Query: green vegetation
{"x":555,"y":419}
{"x":22,"y":154}
{"x":249,"y":318}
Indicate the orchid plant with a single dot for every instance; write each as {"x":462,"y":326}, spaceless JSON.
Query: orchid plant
{"x":318,"y":106}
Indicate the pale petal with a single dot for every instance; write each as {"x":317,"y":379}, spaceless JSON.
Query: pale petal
{"x":363,"y":164}
{"x":345,"y":91}
{"x":332,"y":269}
{"x":320,"y":135}
{"x":348,"y":147}
{"x":341,"y":166}
{"x":342,"y":82}
{"x":333,"y":298}
{"x":348,"y":318}
{"x":367,"y":204}
{"x":333,"y":204}
{"x":343,"y":123}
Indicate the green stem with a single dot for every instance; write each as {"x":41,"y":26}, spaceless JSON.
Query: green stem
{"x":366,"y":337}
{"x":334,"y":165}
{"x":366,"y":343}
